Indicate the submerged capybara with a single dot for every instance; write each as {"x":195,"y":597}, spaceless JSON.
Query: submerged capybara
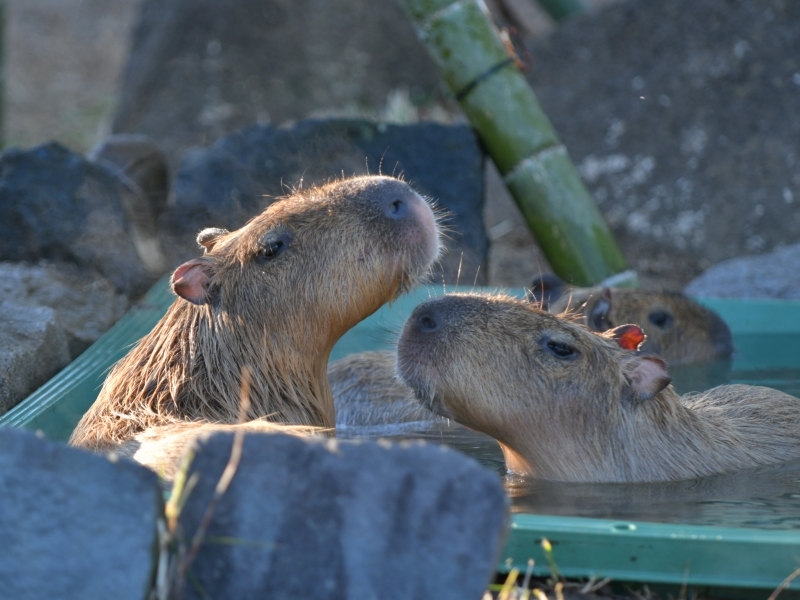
{"x":367,"y":393}
{"x":272,"y":297}
{"x":570,"y":404}
{"x":678,"y":329}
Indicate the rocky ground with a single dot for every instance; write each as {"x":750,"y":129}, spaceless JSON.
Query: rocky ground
{"x":65,"y":61}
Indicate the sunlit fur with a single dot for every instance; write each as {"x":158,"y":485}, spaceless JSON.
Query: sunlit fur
{"x":278,"y":318}
{"x":695,"y":333}
{"x":160,"y":448}
{"x":583,"y":419}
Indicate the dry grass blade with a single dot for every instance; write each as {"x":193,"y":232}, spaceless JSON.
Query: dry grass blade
{"x":224,"y":480}
{"x":784,"y":584}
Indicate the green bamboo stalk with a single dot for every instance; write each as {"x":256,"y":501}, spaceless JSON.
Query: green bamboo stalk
{"x":518,"y":136}
{"x":562,"y":9}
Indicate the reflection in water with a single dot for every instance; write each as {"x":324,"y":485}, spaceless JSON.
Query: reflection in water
{"x":763,"y":498}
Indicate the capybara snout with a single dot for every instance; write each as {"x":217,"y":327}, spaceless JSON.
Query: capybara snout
{"x":568,"y":403}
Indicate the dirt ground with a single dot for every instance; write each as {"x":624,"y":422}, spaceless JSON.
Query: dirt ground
{"x":64,"y":62}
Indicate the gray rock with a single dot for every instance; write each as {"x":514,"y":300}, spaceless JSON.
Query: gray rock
{"x":773,"y":275}
{"x":226,"y":184}
{"x":73,"y":524}
{"x":86,"y":304}
{"x":682,"y":118}
{"x":363,"y":520}
{"x":33,"y":348}
{"x":201,"y":68}
{"x":57,"y":205}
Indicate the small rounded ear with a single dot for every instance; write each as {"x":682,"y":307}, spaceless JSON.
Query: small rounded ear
{"x":646,"y":374}
{"x":546,"y":289}
{"x":190,"y":281}
{"x":208,"y":237}
{"x":629,"y":337}
{"x":598,"y":315}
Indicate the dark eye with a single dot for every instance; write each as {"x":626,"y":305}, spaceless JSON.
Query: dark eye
{"x":560,"y":349}
{"x":660,"y":319}
{"x":271,"y":248}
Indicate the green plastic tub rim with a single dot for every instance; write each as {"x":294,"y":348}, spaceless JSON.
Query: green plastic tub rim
{"x":745,"y":562}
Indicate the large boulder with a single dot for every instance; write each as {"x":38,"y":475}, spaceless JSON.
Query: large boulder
{"x":772,"y":275}
{"x":365,"y":520}
{"x":57,"y":205}
{"x":33,"y":348}
{"x":85,"y":304}
{"x":201,"y":68}
{"x":234,"y":179}
{"x":74,"y":525}
{"x":682,"y":118}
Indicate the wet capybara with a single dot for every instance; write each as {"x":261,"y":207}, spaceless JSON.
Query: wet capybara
{"x":678,"y":329}
{"x":570,"y":404}
{"x":367,"y":393}
{"x":274,"y":297}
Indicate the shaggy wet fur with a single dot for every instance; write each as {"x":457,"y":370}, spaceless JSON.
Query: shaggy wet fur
{"x":273,"y":296}
{"x":570,"y":404}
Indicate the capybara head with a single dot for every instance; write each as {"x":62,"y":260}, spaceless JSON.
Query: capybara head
{"x":274,"y":296}
{"x":678,"y":328}
{"x":568,"y":403}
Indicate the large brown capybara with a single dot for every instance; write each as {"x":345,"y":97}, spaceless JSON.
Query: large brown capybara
{"x":274,"y":297}
{"x":367,"y":393}
{"x":678,"y":329}
{"x":570,"y":404}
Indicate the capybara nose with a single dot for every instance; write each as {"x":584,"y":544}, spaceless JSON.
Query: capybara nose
{"x":427,"y":323}
{"x":396,"y":208}
{"x":427,"y":320}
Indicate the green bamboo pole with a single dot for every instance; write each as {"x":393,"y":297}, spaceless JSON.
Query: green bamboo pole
{"x":503,"y":110}
{"x":562,"y":9}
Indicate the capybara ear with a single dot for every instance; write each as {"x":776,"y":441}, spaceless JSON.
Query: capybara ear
{"x":208,"y":237}
{"x":646,"y":374}
{"x":546,"y":289}
{"x":598,"y":316}
{"x":190,"y":280}
{"x":629,"y":337}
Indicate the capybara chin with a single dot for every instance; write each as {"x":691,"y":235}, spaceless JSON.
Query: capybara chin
{"x":273,"y":296}
{"x":678,"y":329}
{"x":569,"y":404}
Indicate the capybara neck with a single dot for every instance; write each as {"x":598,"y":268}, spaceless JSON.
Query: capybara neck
{"x":570,"y":404}
{"x":272,"y":297}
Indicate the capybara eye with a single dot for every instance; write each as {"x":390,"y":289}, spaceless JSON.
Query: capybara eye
{"x":660,"y":319}
{"x":270,"y":248}
{"x":560,"y":349}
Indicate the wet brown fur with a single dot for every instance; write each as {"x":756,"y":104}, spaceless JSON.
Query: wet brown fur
{"x":279,"y":318}
{"x":589,"y":417}
{"x":692,"y":334}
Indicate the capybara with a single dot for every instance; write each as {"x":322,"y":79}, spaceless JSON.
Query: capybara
{"x":678,"y":329}
{"x":367,"y":393}
{"x":274,"y":297}
{"x":570,"y":404}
